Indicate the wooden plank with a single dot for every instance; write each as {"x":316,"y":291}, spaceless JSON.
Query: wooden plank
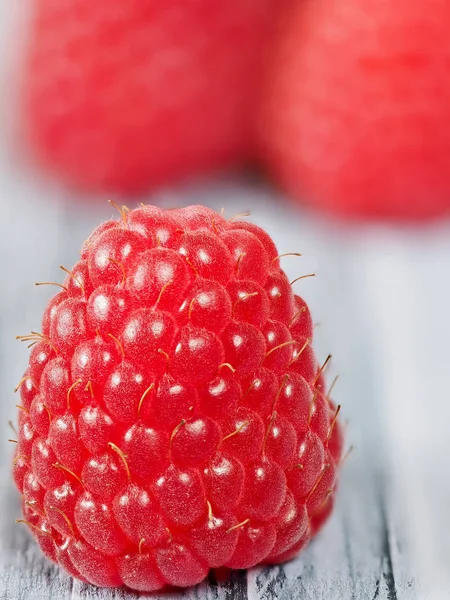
{"x":370,"y":294}
{"x":411,"y":341}
{"x":352,"y":556}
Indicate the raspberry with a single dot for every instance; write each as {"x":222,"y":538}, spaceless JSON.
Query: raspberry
{"x":174,"y":418}
{"x":353,"y":106}
{"x":125,"y":94}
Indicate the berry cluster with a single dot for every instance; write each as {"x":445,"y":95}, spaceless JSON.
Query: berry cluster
{"x":174,"y":418}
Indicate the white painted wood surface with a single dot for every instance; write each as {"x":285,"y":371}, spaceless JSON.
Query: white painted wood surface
{"x":381,"y":296}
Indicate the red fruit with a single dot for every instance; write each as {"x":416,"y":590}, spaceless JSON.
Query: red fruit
{"x":96,"y":428}
{"x":26,"y":434}
{"x":33,"y":494}
{"x":260,"y":476}
{"x":197,"y":217}
{"x":195,"y":442}
{"x":215,"y":540}
{"x":40,"y":355}
{"x":96,"y":523}
{"x":260,"y":392}
{"x":43,"y":460}
{"x":249,"y":302}
{"x":224,"y":481}
{"x":47,"y":540}
{"x":104,"y":475}
{"x":54,"y":386}
{"x":139,"y":572}
{"x":335,"y":436}
{"x":159,"y":276}
{"x":321,"y":514}
{"x":20,"y":469}
{"x":146,"y":450}
{"x":295,"y":401}
{"x":255,"y":542}
{"x":156,"y":225}
{"x":308,"y":464}
{"x":251,"y":259}
{"x":64,"y":560}
{"x":165,"y":433}
{"x":293,"y":551}
{"x":323,"y":487}
{"x":281,"y":441}
{"x":40,"y":416}
{"x":66,"y":443}
{"x":49,"y":314}
{"x":179,"y":566}
{"x":301,"y":325}
{"x":130,"y":94}
{"x":59,"y":506}
{"x":221,"y":395}
{"x":182,"y":494}
{"x":136,"y":512}
{"x":148,"y":335}
{"x":263,"y":237}
{"x":28,"y":390}
{"x":172,"y":402}
{"x":244,"y":435}
{"x":304,"y":361}
{"x":94,"y":566}
{"x":78,"y":282}
{"x":112,"y":254}
{"x":91,"y":365}
{"x":354,"y":104}
{"x":85,"y":248}
{"x":69,"y":326}
{"x":107,"y":308}
{"x":196,"y":346}
{"x":207,"y":305}
{"x":281,"y":299}
{"x":279,"y":344}
{"x":207,"y":255}
{"x":291,"y":526}
{"x":319,"y":416}
{"x":244,"y":346}
{"x":124,"y":389}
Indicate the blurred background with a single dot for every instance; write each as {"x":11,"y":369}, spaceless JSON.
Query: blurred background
{"x":331,"y":126}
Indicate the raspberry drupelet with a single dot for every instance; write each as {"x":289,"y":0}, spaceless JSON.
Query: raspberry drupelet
{"x":173,"y":416}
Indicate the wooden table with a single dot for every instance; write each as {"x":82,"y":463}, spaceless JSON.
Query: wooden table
{"x":382,"y":301}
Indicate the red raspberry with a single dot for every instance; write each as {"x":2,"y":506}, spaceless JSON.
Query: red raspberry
{"x":174,"y":418}
{"x":127,"y":94}
{"x":355,"y":107}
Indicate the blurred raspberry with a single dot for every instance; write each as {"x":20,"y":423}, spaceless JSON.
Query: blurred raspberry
{"x":128,"y":94}
{"x":355,"y":106}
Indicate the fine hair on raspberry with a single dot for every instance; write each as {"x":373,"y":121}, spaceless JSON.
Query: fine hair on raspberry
{"x":174,"y":417}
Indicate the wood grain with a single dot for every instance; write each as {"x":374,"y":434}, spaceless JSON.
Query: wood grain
{"x":381,"y":297}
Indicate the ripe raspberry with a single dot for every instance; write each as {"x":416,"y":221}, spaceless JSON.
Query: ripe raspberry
{"x":128,"y":94}
{"x":355,"y":105}
{"x":174,"y":418}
